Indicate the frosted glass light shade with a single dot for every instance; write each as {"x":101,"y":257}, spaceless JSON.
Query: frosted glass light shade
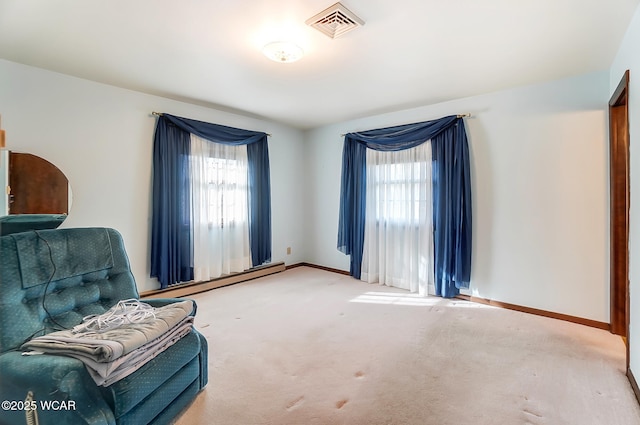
{"x":282,"y":51}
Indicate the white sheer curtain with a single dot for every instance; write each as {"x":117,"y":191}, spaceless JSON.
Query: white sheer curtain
{"x":219,"y":218}
{"x":398,"y":237}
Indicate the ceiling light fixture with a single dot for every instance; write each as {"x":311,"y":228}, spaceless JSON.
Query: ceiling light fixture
{"x":283,"y":51}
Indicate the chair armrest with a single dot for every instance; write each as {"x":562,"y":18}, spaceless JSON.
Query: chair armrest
{"x":161,"y":302}
{"x":62,"y":389}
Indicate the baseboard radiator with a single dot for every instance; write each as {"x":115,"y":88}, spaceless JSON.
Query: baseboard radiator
{"x":187,"y":289}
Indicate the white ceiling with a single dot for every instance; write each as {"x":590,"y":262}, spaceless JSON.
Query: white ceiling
{"x":408,"y":53}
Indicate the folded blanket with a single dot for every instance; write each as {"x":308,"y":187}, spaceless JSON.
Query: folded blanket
{"x":105,"y":369}
{"x":117,"y":351}
{"x":106,"y":374}
{"x":109,"y":345}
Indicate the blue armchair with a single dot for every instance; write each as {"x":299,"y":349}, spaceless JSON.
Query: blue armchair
{"x":53,"y":278}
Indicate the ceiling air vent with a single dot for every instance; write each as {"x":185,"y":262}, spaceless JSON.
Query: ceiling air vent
{"x":335,"y":21}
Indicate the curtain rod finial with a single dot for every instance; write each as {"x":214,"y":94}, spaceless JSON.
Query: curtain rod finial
{"x":157,"y":114}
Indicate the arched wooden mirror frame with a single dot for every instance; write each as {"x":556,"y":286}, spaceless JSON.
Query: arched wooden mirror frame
{"x":37,"y":194}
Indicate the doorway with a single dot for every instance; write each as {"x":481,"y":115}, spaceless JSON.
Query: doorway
{"x":619,"y":207}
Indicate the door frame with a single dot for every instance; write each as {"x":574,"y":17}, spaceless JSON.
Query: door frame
{"x":619,"y":209}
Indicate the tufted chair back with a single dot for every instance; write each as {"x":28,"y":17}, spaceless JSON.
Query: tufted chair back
{"x":51,"y":279}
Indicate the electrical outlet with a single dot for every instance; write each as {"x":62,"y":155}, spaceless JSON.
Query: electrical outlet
{"x":288,"y":250}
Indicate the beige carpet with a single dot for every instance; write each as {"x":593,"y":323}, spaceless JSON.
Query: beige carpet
{"x":312,"y":347}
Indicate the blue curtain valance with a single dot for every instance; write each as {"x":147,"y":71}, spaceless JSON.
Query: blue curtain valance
{"x":171,"y":247}
{"x":451,"y":194}
{"x":215,"y":132}
{"x":403,"y":136}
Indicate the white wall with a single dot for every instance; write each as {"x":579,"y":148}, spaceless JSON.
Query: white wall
{"x":628,"y":58}
{"x":540,"y":192}
{"x":101,"y":137}
{"x":539,"y":172}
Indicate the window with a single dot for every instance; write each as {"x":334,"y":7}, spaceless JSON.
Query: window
{"x":398,"y":235}
{"x":399,"y":185}
{"x":219,"y":209}
{"x":400,"y":198}
{"x":227,"y":188}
